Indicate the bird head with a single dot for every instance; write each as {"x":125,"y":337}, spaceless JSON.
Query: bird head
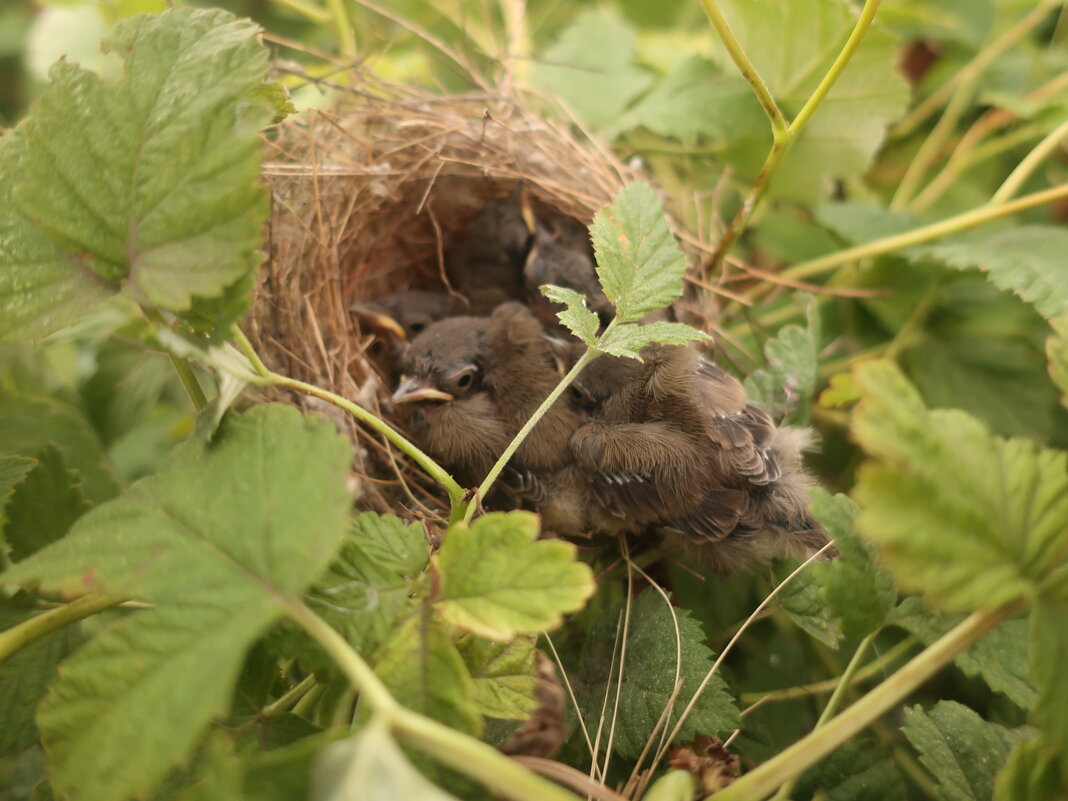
{"x":446,"y":361}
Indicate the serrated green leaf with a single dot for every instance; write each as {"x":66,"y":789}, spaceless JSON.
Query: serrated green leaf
{"x":639,"y":263}
{"x":371,"y":767}
{"x":1028,"y":261}
{"x":861,"y":770}
{"x":850,"y":124}
{"x":628,"y":340}
{"x":13,"y":469}
{"x":24,"y":679}
{"x":788,"y":382}
{"x":578,"y":319}
{"x":504,"y":674}
{"x":45,"y":505}
{"x":168,"y":198}
{"x":498,"y":580}
{"x":28,"y":424}
{"x":1033,"y":772}
{"x":216,"y":540}
{"x":590,"y":67}
{"x":423,"y":670}
{"x":1057,"y":353}
{"x":859,"y":592}
{"x":969,"y":518}
{"x":1049,"y":655}
{"x":999,"y":658}
{"x":804,"y":603}
{"x":43,"y":286}
{"x":649,"y":675}
{"x":962,"y":751}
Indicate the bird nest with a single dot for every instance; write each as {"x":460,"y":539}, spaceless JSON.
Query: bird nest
{"x":368,"y":198}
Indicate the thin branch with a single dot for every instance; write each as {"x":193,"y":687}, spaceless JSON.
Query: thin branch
{"x":1029,"y":164}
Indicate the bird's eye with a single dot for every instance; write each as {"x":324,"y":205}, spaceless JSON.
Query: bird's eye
{"x":416,"y":327}
{"x":464,"y":381}
{"x":461,"y":380}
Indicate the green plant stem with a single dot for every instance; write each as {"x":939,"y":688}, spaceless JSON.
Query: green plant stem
{"x":983,"y":59}
{"x":308,"y":700}
{"x":471,"y":757}
{"x":745,"y":66}
{"x":483,"y":488}
{"x":339,"y":16}
{"x":891,"y":244}
{"x":317,"y":15}
{"x":873,"y":668}
{"x":833,"y":702}
{"x":289,"y":698}
{"x":1030,"y":163}
{"x":182,"y":367}
{"x":810,"y":749}
{"x":432,"y":468}
{"x":21,"y":635}
{"x":783,"y":135}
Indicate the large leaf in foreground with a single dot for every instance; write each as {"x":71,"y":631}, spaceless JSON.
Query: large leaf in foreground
{"x":155,"y":176}
{"x":499,"y":580}
{"x":970,"y":518}
{"x":218,"y":539}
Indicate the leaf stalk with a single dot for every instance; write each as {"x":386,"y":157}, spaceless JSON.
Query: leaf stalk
{"x":21,"y":635}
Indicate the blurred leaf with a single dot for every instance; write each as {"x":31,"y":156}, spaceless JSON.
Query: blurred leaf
{"x":969,"y":518}
{"x":216,"y":540}
{"x":504,"y":674}
{"x":962,"y":751}
{"x":788,"y":382}
{"x":27,"y":424}
{"x":861,"y":770}
{"x":1000,"y":658}
{"x":590,"y":67}
{"x":498,"y":580}
{"x":169,"y":199}
{"x":24,"y":679}
{"x":858,"y":223}
{"x":45,"y":505}
{"x":792,"y":45}
{"x":639,"y":262}
{"x":1028,"y":261}
{"x":13,"y":469}
{"x":675,"y":785}
{"x":649,"y":671}
{"x":841,"y":392}
{"x":578,"y":319}
{"x":1057,"y":353}
{"x":370,"y":767}
{"x":860,"y":593}
{"x":43,"y":287}
{"x":628,"y":339}
{"x":1049,"y":655}
{"x":424,"y":672}
{"x":1033,"y":772}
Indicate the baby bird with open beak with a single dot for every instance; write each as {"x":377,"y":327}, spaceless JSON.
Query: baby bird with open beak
{"x":470,"y":383}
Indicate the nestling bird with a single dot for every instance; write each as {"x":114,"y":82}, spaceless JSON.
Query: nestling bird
{"x":406,"y":314}
{"x":561,"y":254}
{"x":673,"y":444}
{"x":493,"y":249}
{"x":472,"y":382}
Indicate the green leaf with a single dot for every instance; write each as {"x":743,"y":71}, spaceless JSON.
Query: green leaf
{"x":371,"y":767}
{"x":217,"y":540}
{"x":789,"y":380}
{"x":1049,"y":655}
{"x":859,"y":592}
{"x":861,"y":770}
{"x":590,"y":68}
{"x":168,"y":199}
{"x":804,"y":602}
{"x":639,"y":262}
{"x":792,"y":45}
{"x":423,"y":670}
{"x":675,"y":785}
{"x":24,"y":679}
{"x":43,"y":286}
{"x":498,"y":580}
{"x":858,"y":223}
{"x":1057,"y":353}
{"x":1028,"y":261}
{"x":969,"y":518}
{"x":45,"y":505}
{"x":1033,"y":772}
{"x":13,"y":469}
{"x":999,"y":658}
{"x":962,"y":751}
{"x":628,"y":339}
{"x":505,"y":675}
{"x":28,"y":424}
{"x":649,"y":671}
{"x":578,"y":319}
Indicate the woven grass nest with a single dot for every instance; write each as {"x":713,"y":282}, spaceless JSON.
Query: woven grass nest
{"x":367,"y":200}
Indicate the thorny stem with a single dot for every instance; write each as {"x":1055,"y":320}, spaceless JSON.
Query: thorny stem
{"x":21,"y":635}
{"x":783,"y":135}
{"x":432,"y":468}
{"x":1030,"y":163}
{"x":472,"y":757}
{"x":810,"y":749}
